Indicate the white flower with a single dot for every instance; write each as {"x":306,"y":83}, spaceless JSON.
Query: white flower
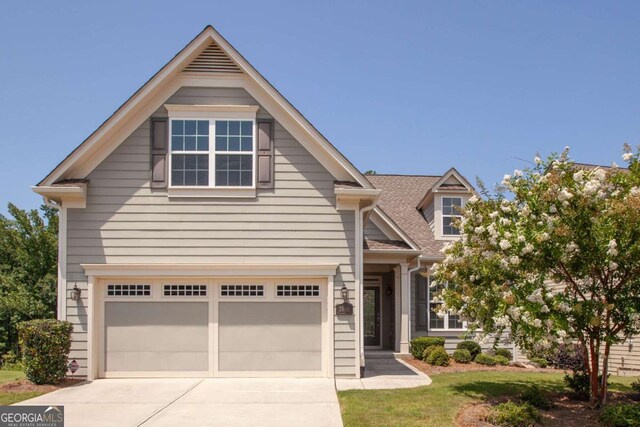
{"x":536,"y":297}
{"x":634,"y":191}
{"x":553,"y":209}
{"x":572,"y":247}
{"x":627,"y":157}
{"x":544,"y":237}
{"x":528,"y":248}
{"x":506,"y":179}
{"x":479,"y":230}
{"x":514,"y":260}
{"x":517,"y":173}
{"x":544,"y":308}
{"x":493,"y":215}
{"x":472,"y":199}
{"x":562,"y":334}
{"x":564,"y":307}
{"x":591,"y":187}
{"x":564,"y":195}
{"x":521,"y":239}
{"x":537,"y":159}
{"x":613,"y":266}
{"x":537,"y":323}
{"x":613,"y":248}
{"x":578,"y":176}
{"x":504,"y":244}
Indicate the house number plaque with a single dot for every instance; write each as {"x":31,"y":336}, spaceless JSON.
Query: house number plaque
{"x":346,"y":308}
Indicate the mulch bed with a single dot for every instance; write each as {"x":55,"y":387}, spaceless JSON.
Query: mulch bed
{"x":24,"y":386}
{"x":567,"y":413}
{"x":467,"y":367}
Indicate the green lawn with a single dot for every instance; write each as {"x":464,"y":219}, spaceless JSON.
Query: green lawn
{"x":439,"y":403}
{"x":8,"y":398}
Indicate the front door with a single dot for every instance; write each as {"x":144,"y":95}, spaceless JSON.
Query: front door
{"x":371,"y":320}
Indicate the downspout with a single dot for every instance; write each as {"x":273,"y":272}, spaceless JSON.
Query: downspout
{"x":409,"y":272}
{"x":59,"y":286}
{"x":359,"y":279}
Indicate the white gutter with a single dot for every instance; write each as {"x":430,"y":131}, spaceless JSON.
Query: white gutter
{"x":62,"y":262}
{"x":412,"y":270}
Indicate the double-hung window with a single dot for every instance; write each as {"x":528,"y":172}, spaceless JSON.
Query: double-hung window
{"x":212,"y":152}
{"x":451,"y":211}
{"x":447,"y":321}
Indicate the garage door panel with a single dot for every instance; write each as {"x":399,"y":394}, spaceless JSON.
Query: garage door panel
{"x":270,"y":361}
{"x":148,"y":361}
{"x":274,"y":336}
{"x":156,"y":336}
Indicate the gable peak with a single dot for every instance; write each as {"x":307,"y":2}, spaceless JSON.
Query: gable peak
{"x":213,"y":59}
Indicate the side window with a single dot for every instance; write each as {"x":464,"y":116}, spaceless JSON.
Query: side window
{"x":448,"y":321}
{"x":451,"y":211}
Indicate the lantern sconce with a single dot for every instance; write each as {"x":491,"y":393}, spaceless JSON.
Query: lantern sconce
{"x":75,"y":293}
{"x":344,"y":292}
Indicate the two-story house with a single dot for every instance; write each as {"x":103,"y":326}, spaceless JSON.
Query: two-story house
{"x":208,"y":229}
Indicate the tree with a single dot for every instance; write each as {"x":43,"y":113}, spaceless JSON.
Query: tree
{"x":557,"y":262}
{"x":28,"y":269}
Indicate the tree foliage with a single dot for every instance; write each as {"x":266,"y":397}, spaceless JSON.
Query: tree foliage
{"x":28,"y":269}
{"x":556,"y":262}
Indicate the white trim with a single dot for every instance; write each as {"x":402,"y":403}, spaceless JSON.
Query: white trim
{"x":208,"y":270}
{"x":235,"y":111}
{"x":71,"y":196}
{"x":330,"y":340}
{"x":93,"y":326}
{"x":62,"y":263}
{"x":154,"y":374}
{"x":438,"y":217}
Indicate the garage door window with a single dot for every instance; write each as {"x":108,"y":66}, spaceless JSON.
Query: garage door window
{"x":185,"y":290}
{"x":128,"y":290}
{"x":298,"y":290}
{"x":242,"y":290}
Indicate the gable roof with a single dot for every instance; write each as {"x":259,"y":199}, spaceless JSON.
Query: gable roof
{"x":208,"y":53}
{"x":451,"y":181}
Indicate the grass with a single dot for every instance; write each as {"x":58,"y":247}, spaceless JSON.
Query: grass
{"x":439,"y":403}
{"x":9,"y":398}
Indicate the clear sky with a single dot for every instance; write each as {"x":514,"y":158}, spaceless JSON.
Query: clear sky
{"x":398,"y":86}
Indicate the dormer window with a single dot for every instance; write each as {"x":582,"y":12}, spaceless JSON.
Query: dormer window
{"x":451,"y":211}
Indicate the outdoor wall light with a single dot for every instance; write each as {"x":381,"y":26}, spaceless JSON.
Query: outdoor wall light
{"x":75,"y":293}
{"x":344,"y":292}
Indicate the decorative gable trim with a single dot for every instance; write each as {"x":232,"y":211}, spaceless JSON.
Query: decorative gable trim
{"x":445,"y":184}
{"x":212,"y":60}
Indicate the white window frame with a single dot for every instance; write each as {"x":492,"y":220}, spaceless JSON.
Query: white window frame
{"x":213,"y":113}
{"x":446,"y":316}
{"x":452,"y":216}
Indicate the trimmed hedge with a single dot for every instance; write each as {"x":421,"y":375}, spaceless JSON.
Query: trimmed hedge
{"x":485,"y":359}
{"x":427,"y":351}
{"x":438,"y":356}
{"x":45,"y":345}
{"x":462,"y":356}
{"x":501,"y":360}
{"x":504,"y":352}
{"x":418,"y":345}
{"x":472,"y":346}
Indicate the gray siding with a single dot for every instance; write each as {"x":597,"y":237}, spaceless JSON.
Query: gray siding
{"x":125,"y":221}
{"x":373,"y":232}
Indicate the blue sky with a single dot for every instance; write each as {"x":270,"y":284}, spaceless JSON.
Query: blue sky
{"x":398,"y":87}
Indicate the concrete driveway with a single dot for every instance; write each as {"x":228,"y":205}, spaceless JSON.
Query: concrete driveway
{"x":198,"y":402}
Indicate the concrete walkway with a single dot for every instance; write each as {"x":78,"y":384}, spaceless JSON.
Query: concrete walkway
{"x":384,"y":371}
{"x":198,"y":402}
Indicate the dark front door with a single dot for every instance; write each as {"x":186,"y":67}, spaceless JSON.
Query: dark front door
{"x":371,"y":321}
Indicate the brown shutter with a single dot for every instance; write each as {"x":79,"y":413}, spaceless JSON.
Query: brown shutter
{"x":159,"y":152}
{"x":265,"y":154}
{"x":421,"y":302}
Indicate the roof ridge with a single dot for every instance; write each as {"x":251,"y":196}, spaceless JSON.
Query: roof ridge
{"x":402,"y":174}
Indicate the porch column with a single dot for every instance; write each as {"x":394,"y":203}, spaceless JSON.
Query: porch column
{"x":404,"y":321}
{"x":397,"y":299}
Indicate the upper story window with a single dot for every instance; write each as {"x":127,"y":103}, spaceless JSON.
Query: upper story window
{"x":212,"y":153}
{"x":447,"y":321}
{"x":451,"y":211}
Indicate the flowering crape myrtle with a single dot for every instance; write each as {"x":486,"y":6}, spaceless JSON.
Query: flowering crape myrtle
{"x":558,"y":260}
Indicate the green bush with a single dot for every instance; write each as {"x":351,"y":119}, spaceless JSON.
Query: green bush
{"x":10,"y":362}
{"x":418,"y":345}
{"x":472,"y":346}
{"x":512,"y":414}
{"x":45,"y":344}
{"x":578,"y":381}
{"x":438,"y":356}
{"x":540,"y":362}
{"x":485,"y":359}
{"x":636,"y":385}
{"x":621,"y":415}
{"x":427,"y":351}
{"x":504,"y":352}
{"x":501,"y":360}
{"x":536,"y":397}
{"x":462,"y":356}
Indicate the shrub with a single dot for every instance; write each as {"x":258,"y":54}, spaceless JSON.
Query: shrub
{"x":568,"y":357}
{"x":419,"y":344}
{"x":427,"y":351}
{"x":501,"y":360}
{"x":45,"y":344}
{"x":578,"y":381}
{"x":10,"y":362}
{"x":542,"y":363}
{"x":504,"y":352}
{"x":636,"y":385}
{"x":472,"y":346}
{"x":462,"y":356}
{"x":512,"y":414}
{"x":621,"y":415}
{"x":485,"y":359}
{"x":438,"y":356}
{"x":536,"y":397}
